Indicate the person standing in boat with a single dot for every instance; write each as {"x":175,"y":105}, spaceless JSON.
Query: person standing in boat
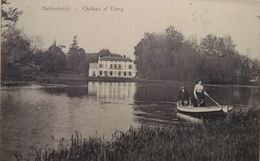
{"x":199,"y":93}
{"x":184,"y":97}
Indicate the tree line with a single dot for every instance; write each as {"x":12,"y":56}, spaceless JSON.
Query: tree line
{"x":55,"y":60}
{"x":22,"y":57}
{"x":76,"y":60}
{"x":163,"y":56}
{"x":19,"y":57}
{"x":169,"y":56}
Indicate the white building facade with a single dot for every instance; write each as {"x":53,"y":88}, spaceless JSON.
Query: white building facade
{"x":93,"y":69}
{"x":118,"y":67}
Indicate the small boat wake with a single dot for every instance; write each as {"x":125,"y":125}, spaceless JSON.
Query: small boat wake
{"x":189,"y":118}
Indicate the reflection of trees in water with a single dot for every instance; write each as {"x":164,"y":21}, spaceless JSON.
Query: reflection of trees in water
{"x":254,"y":97}
{"x":69,"y":91}
{"x":235,"y":95}
{"x":156,"y":93}
{"x":149,"y":110}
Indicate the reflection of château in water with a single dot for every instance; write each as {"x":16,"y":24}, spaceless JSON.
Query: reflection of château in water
{"x":114,"y":92}
{"x":119,"y":67}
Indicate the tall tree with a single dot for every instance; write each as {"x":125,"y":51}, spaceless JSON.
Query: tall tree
{"x":16,"y":47}
{"x":76,"y":59}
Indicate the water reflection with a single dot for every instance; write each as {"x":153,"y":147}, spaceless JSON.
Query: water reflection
{"x":236,"y":96}
{"x":74,"y":91}
{"x":149,"y":93}
{"x":113,"y":92}
{"x":37,"y":115}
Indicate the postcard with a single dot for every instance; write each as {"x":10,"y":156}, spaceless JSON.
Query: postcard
{"x":116,"y":80}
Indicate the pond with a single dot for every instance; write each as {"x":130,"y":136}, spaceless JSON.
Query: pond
{"x":40,"y":115}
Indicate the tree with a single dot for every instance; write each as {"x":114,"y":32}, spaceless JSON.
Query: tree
{"x":10,"y":15}
{"x":17,"y":52}
{"x":165,"y":56}
{"x":53,"y":60}
{"x":13,"y":40}
{"x":170,"y":56}
{"x":104,"y":53}
{"x":15,"y":46}
{"x":76,"y":59}
{"x":221,"y":59}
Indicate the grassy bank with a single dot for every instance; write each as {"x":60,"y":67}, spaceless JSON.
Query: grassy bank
{"x":234,"y":139}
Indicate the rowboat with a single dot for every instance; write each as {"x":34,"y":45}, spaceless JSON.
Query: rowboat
{"x":204,"y":111}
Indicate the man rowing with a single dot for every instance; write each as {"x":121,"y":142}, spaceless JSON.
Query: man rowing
{"x":199,"y":94}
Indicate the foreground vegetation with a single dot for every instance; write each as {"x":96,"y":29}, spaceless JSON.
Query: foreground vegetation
{"x":234,"y":139}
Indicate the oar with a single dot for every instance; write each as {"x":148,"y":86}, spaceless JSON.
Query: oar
{"x":214,"y":100}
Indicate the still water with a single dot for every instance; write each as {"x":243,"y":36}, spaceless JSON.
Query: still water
{"x":40,"y":115}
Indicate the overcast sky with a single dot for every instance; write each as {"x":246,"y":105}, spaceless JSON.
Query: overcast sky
{"x":120,"y":31}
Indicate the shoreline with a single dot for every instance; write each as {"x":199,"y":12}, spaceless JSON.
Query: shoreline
{"x":83,"y":79}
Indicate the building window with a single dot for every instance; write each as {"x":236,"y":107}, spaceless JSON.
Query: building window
{"x":100,"y":65}
{"x":100,"y":73}
{"x":119,"y":73}
{"x":119,"y":66}
{"x":130,"y":74}
{"x":94,"y":73}
{"x":124,"y":73}
{"x":111,"y":66}
{"x":130,"y":66}
{"x":105,"y":73}
{"x":105,"y":65}
{"x":111,"y":73}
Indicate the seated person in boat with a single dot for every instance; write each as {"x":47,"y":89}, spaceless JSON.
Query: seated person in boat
{"x":199,"y":93}
{"x":184,"y":97}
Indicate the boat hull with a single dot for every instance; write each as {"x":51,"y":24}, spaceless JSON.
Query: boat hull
{"x":211,"y":111}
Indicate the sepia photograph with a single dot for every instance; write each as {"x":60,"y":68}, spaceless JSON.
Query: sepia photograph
{"x":130,"y":80}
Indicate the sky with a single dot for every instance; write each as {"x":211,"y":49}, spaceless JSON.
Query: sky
{"x":118,"y":25}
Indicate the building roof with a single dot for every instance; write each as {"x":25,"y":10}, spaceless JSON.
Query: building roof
{"x":115,"y":59}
